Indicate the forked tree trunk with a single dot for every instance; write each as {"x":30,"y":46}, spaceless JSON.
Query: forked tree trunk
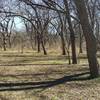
{"x":44,"y":50}
{"x":91,"y":44}
{"x":43,"y":46}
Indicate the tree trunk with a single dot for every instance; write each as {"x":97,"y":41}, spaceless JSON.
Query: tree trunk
{"x":72,"y":35}
{"x":63,"y":45}
{"x":9,"y":42}
{"x":4,"y":43}
{"x":38,"y":43}
{"x":43,"y":46}
{"x":81,"y":41}
{"x":91,"y":44}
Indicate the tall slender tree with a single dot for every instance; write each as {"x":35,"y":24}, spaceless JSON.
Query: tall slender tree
{"x":72,"y":35}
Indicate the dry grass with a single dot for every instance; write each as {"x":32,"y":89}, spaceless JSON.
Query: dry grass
{"x":22,"y":69}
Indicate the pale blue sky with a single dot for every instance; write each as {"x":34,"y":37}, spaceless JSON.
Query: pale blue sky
{"x":19,"y":24}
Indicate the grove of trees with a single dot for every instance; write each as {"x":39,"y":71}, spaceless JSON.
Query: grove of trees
{"x":69,"y":24}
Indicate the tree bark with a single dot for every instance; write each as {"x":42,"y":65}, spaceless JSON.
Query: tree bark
{"x":72,"y":35}
{"x":81,"y":40}
{"x":44,"y":50}
{"x":63,"y":45}
{"x":38,"y":43}
{"x":91,"y":44}
{"x":43,"y":46}
{"x":4,"y":43}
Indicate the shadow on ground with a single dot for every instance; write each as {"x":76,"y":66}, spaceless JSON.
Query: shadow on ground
{"x":43,"y":84}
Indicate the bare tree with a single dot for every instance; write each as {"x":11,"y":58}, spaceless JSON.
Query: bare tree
{"x":91,"y":44}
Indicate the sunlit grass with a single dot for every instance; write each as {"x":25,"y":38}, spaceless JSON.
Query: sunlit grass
{"x":33,"y":67}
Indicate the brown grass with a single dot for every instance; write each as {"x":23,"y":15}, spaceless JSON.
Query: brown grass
{"x":30,"y":68}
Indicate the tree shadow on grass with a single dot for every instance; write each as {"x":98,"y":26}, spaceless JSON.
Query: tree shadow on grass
{"x":43,"y":84}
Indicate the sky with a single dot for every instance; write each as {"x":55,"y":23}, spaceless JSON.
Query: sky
{"x":19,"y":24}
